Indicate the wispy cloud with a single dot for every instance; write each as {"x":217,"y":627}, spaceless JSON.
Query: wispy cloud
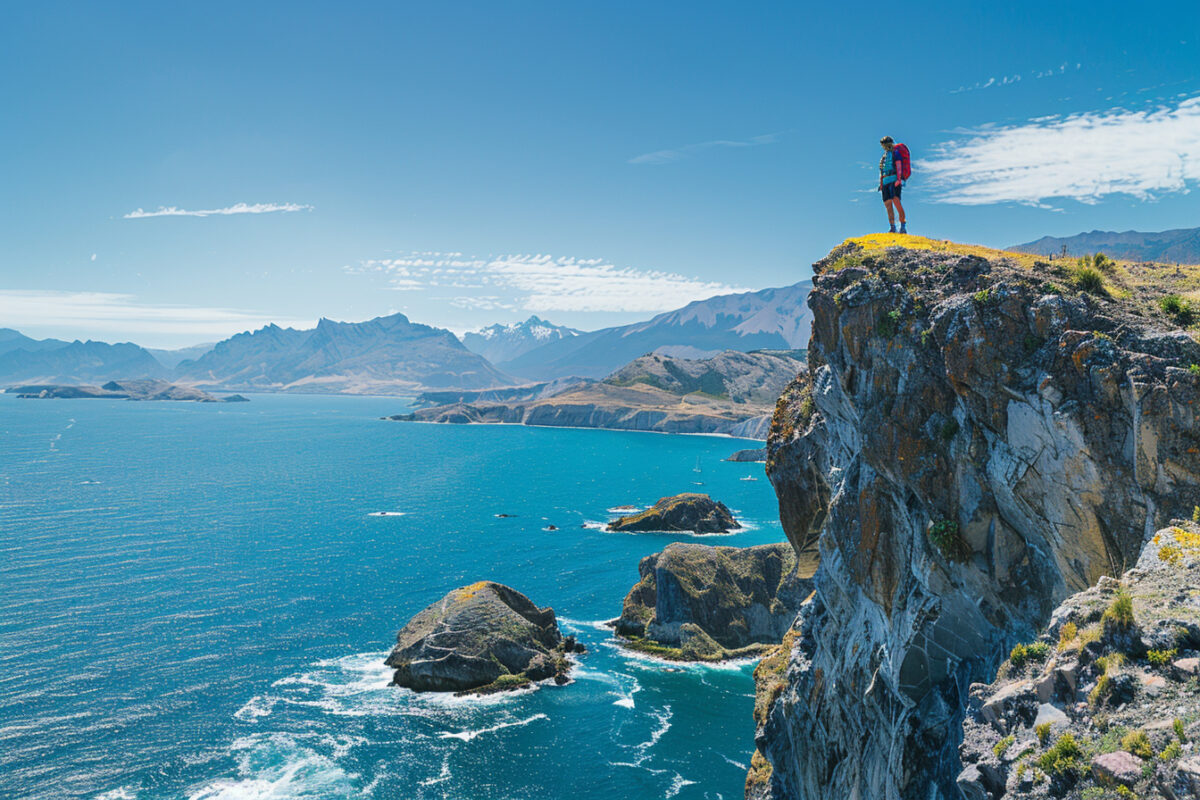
{"x":543,"y":282}
{"x":97,"y":313}
{"x":1083,"y":157}
{"x":236,"y":208}
{"x":667,"y":156}
{"x":1009,"y":80}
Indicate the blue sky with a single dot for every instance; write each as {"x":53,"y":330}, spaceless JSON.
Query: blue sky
{"x":592,"y":163}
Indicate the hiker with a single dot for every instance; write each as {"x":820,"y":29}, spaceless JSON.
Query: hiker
{"x":892,"y":168}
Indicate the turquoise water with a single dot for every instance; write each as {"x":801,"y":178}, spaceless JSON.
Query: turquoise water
{"x":195,"y":602}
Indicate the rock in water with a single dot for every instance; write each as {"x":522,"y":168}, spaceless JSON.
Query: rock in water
{"x":478,"y":639}
{"x":697,"y":513}
{"x":749,"y":455}
{"x":700,"y":603}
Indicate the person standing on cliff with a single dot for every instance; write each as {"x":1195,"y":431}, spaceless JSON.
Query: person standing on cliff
{"x":890,"y":184}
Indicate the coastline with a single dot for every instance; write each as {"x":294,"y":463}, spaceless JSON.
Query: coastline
{"x":572,"y":428}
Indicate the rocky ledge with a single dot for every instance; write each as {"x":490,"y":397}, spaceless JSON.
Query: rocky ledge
{"x":700,"y":603}
{"x":692,"y":512}
{"x":749,"y":456}
{"x":986,"y":434}
{"x":480,"y":639}
{"x":1108,"y":696}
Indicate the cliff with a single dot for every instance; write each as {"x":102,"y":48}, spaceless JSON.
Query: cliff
{"x":985,"y":434}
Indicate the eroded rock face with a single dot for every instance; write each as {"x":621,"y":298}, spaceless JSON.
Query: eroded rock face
{"x":714,"y":602}
{"x":482,"y":637}
{"x":690,"y":511}
{"x":973,"y":451}
{"x":1102,"y":680}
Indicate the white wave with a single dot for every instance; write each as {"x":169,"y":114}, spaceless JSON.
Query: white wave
{"x":261,"y":705}
{"x":623,"y":510}
{"x":737,"y":764}
{"x":578,"y":624}
{"x":282,"y":765}
{"x":123,"y":793}
{"x":467,"y":736}
{"x":647,"y":661}
{"x":442,"y":776}
{"x":677,"y":784}
{"x":595,"y":526}
{"x":387,"y":514}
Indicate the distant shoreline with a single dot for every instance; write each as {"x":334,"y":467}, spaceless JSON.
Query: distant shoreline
{"x":569,"y":428}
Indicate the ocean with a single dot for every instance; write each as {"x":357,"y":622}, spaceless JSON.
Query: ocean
{"x":196,"y":601}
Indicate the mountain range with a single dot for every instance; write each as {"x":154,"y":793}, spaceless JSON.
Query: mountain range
{"x":1179,"y":246}
{"x":769,"y":319}
{"x":392,"y":355}
{"x":498,"y":343}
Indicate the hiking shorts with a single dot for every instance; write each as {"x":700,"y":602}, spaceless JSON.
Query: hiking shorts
{"x":890,"y":191}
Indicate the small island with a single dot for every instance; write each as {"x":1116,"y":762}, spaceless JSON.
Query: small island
{"x":695,"y":602}
{"x":121,"y":390}
{"x":481,"y":639}
{"x":691,"y":512}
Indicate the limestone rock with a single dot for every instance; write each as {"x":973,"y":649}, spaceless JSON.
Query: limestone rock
{"x":480,"y":638}
{"x":711,"y":603}
{"x":693,"y":512}
{"x":1118,"y":767}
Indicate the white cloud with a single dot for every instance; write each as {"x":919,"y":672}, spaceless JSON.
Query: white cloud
{"x":236,"y":208}
{"x":543,"y":282}
{"x":1083,"y":157}
{"x":92,"y":313}
{"x":667,"y":156}
{"x":93,"y":256}
{"x":490,"y":303}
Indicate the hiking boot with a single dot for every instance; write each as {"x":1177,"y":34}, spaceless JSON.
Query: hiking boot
{"x":903,"y":228}
{"x":892,"y":230}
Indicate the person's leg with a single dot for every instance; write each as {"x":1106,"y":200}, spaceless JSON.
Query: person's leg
{"x":890,"y":212}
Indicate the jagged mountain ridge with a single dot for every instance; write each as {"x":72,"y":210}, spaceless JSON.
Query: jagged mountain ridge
{"x":1181,"y":245}
{"x":53,"y":361}
{"x":382,"y":355}
{"x":499,"y":342}
{"x":769,"y":319}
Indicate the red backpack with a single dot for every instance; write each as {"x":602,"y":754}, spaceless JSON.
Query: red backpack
{"x":903,"y":162}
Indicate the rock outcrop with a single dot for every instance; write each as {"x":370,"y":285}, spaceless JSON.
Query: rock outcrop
{"x":700,"y":603}
{"x":1106,"y":696}
{"x":982,"y":438}
{"x":481,"y":638}
{"x":140,"y":389}
{"x":751,"y":456}
{"x":690,"y":511}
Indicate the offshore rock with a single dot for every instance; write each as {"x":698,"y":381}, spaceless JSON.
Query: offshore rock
{"x":977,"y":444}
{"x":478,"y":639}
{"x":702,"y":603}
{"x":689,"y":511}
{"x":1115,"y":710}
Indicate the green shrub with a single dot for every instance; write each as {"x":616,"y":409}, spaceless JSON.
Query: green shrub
{"x":889,"y":324}
{"x":1138,"y":743}
{"x":1089,"y":279}
{"x":1194,"y":369}
{"x":1043,"y":733}
{"x":1067,"y":634}
{"x":943,"y":534}
{"x":1125,"y":793}
{"x":1178,"y":727}
{"x":1171,"y":752}
{"x":1119,"y":615}
{"x":1103,"y":262}
{"x":1196,"y":514}
{"x":1024,"y":654}
{"x":1100,"y":691}
{"x":1064,"y":759}
{"x":983,"y":297}
{"x":1179,"y":310}
{"x":1160,"y":658}
{"x":1003,"y":745}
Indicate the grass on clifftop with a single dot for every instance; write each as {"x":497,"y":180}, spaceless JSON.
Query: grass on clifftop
{"x":1166,"y":292}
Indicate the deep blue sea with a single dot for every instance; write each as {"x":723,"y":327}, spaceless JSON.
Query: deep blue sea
{"x":196,"y":601}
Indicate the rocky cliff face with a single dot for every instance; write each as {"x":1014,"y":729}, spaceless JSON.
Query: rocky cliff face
{"x":980,"y":441}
